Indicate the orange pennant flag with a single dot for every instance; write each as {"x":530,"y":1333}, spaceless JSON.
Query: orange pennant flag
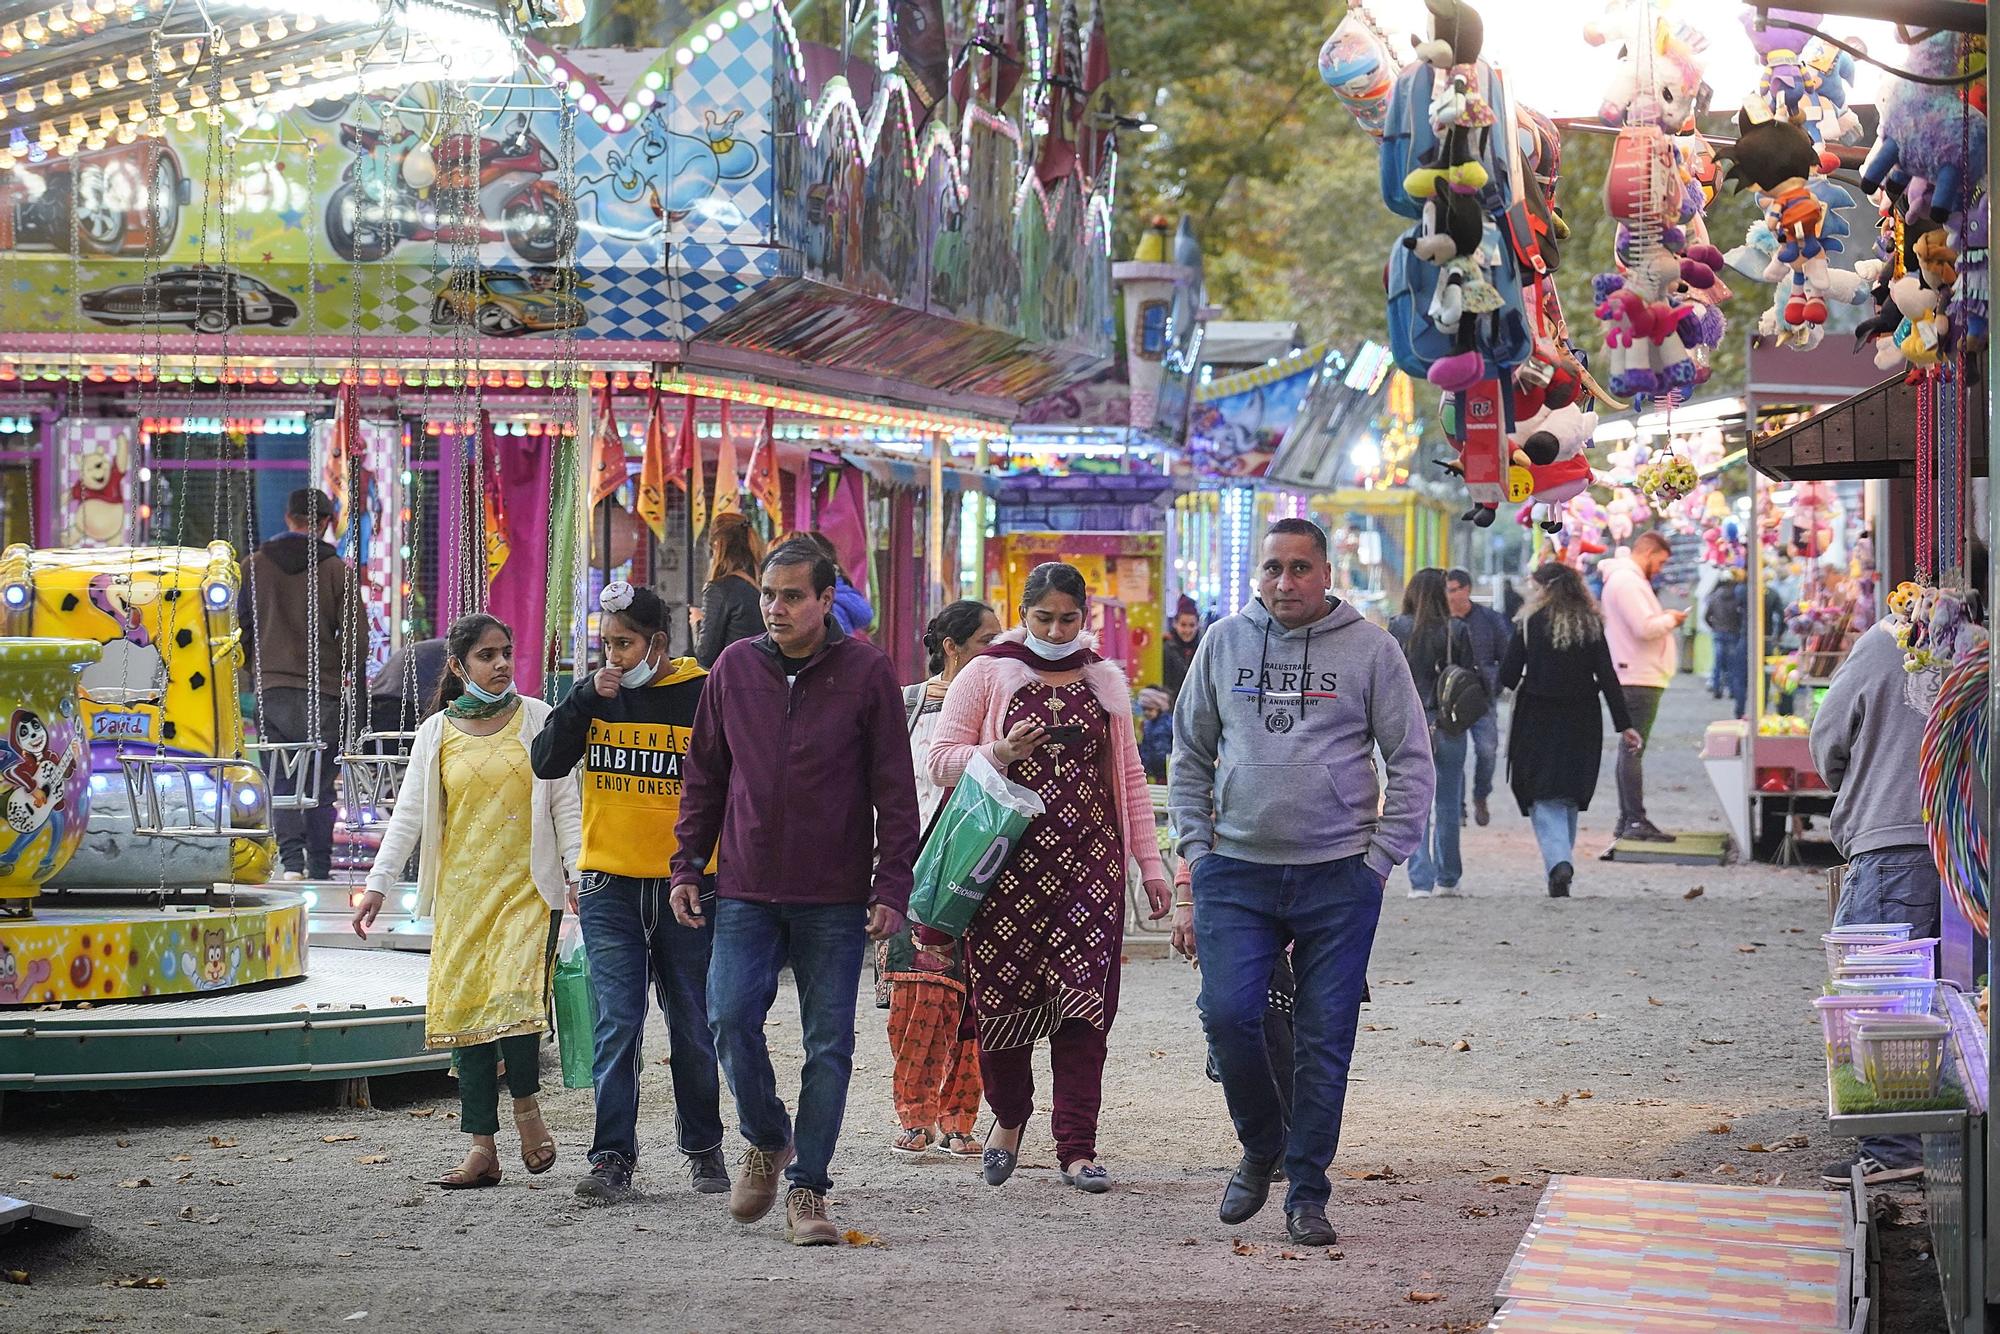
{"x":498,"y":544}
{"x":696,"y":483}
{"x":765,"y":482}
{"x":654,"y":470}
{"x":727,"y":483}
{"x":607,"y":452}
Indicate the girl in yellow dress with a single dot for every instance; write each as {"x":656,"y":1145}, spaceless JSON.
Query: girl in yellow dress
{"x":499,"y":851}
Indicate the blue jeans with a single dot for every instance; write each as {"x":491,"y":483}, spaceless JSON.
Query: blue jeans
{"x":1892,"y":885}
{"x":1435,"y":862}
{"x":631,"y":936}
{"x":1244,"y":914}
{"x":824,"y":944}
{"x":1485,"y":736}
{"x":1732,"y":668}
{"x":1555,"y":831}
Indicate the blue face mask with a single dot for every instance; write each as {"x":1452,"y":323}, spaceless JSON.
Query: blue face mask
{"x":484,"y":696}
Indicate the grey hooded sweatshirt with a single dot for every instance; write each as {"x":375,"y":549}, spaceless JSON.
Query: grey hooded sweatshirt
{"x":1865,"y":741}
{"x":1275,"y":734}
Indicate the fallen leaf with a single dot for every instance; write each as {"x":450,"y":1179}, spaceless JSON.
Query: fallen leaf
{"x":153,"y":1281}
{"x":1676,"y":1174}
{"x":1189,"y":1241}
{"x":63,"y":1176}
{"x":1290,"y":1255}
{"x":1241,"y":1247}
{"x":343,"y":1255}
{"x":856,"y":1238}
{"x":1755,"y":1148}
{"x":219,"y":1142}
{"x":19,"y":1276}
{"x":220,"y":1181}
{"x":212,"y":1219}
{"x":1719,"y":1042}
{"x":187,"y":1213}
{"x":1584,"y":1093}
{"x":123,"y":1143}
{"x":1369,"y":1173}
{"x":372,"y":1159}
{"x":1696,"y":892}
{"x":1502,"y":1180}
{"x":1335,"y":1253}
{"x":135,"y":1183}
{"x":1461,"y":1045}
{"x":358,"y":1315}
{"x":337,"y":1139}
{"x":1746,"y":949}
{"x":423,"y":1111}
{"x":1422,"y":1298}
{"x":1726,"y":1169}
{"x":1720,"y":1128}
{"x":1654,"y":1000}
{"x":181,"y":1158}
{"x":401,"y":1000}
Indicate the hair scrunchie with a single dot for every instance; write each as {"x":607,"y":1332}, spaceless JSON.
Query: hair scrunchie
{"x":616,"y":596}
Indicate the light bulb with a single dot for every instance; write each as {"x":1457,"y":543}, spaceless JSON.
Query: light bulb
{"x":107,"y":78}
{"x":107,"y":120}
{"x":46,"y":135}
{"x":168,"y":106}
{"x":229,"y":90}
{"x":135,"y":69}
{"x":33,"y":30}
{"x":246,"y":36}
{"x":106,"y":7}
{"x":127,"y":133}
{"x":80,"y":11}
{"x":260,"y":83}
{"x":304,"y":23}
{"x":51,"y":94}
{"x":77,"y":128}
{"x":289,"y":75}
{"x":275,"y":29}
{"x":197,"y":96}
{"x":191,"y":54}
{"x":184,"y":122}
{"x":164,"y":61}
{"x":6,"y":160}
{"x":79,"y":85}
{"x":58,"y":21}
{"x":24,"y":101}
{"x":10,"y":38}
{"x":135,"y":111}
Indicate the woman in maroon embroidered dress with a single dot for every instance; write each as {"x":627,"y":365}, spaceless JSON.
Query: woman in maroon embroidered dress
{"x":1042,"y":954}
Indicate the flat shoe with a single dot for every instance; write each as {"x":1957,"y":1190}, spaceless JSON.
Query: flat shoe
{"x":1090,"y":1179}
{"x":999,"y":1164}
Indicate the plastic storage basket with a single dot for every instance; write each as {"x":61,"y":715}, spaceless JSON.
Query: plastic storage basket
{"x":1887,"y":965}
{"x":1837,"y":1016}
{"x":1901,"y":1057}
{"x":1840,"y":944}
{"x":1914,"y":992}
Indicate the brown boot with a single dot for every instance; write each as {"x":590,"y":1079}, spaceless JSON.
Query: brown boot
{"x":756,"y":1186}
{"x":806,"y":1223}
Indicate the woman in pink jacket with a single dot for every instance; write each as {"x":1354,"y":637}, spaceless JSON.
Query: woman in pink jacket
{"x":1042,"y":955}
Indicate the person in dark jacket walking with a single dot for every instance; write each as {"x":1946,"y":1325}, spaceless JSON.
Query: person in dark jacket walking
{"x":1727,"y":616}
{"x":800,"y":775}
{"x":629,"y":724}
{"x":1430,"y":638}
{"x":1490,"y":632}
{"x":1560,"y":662}
{"x":1183,"y":638}
{"x":305,"y":631}
{"x":729,"y":603}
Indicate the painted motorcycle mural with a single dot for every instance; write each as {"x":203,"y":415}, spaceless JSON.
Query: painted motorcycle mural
{"x":399,"y":188}
{"x":124,"y":199}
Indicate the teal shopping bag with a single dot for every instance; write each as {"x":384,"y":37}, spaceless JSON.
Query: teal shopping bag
{"x":969,"y":844}
{"x":576,"y":1009}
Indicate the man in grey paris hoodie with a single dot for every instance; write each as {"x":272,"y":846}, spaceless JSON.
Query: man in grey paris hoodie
{"x":1275,"y":805}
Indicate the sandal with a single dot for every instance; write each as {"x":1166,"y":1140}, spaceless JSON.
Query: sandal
{"x":914,"y":1142}
{"x":463,"y":1177}
{"x":538,"y":1146}
{"x":961,"y":1145}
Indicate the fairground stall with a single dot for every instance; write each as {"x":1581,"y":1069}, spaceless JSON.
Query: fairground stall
{"x":532,"y":318}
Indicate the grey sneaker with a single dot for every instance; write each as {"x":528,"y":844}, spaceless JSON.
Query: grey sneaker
{"x":706,"y":1173}
{"x":609,"y":1182}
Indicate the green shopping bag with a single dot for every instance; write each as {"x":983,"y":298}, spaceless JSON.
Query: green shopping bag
{"x":970,"y":841}
{"x":576,"y":1009}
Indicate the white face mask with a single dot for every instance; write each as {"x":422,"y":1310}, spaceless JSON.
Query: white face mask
{"x":638,"y":678}
{"x":1044,"y":649}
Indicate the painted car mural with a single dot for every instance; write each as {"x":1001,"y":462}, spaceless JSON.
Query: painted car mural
{"x":203,"y":297}
{"x":505,"y":303}
{"x":124,"y":199}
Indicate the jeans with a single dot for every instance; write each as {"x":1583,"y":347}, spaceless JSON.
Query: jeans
{"x":632,"y":937}
{"x":1892,"y":885}
{"x":824,"y":944}
{"x":305,"y":838}
{"x":1485,"y":735}
{"x":1732,"y":668}
{"x":1555,"y":830}
{"x":1435,"y":862}
{"x":1244,"y":914}
{"x":1643,"y":702}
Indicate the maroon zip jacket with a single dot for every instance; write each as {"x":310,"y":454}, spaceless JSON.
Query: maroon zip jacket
{"x":809,"y":788}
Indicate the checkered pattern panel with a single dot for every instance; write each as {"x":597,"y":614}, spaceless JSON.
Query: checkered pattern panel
{"x":732,"y":78}
{"x":708,"y":282}
{"x":627,"y":304}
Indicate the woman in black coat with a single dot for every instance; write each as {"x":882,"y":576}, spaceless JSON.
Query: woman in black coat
{"x":729,"y":605}
{"x":1561,"y":664}
{"x":1430,"y":638}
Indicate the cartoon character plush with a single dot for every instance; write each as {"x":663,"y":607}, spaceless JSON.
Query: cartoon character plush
{"x":1678,"y":92}
{"x":1778,"y":160}
{"x":1930,"y":147}
{"x":1459,"y":112}
{"x":1551,"y":447}
{"x":1920,"y":334}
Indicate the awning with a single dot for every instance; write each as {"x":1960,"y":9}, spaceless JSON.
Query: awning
{"x":916,"y":472}
{"x":1872,"y":434}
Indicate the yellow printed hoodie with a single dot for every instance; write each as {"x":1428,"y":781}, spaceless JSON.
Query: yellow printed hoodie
{"x":631,"y":749}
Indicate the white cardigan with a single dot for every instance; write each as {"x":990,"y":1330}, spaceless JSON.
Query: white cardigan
{"x":419,"y":816}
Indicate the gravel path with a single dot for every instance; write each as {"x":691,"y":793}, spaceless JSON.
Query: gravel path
{"x":1632,"y":1031}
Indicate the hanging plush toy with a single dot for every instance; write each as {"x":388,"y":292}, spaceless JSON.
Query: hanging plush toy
{"x":1459,"y":112}
{"x":1920,"y":334}
{"x":1666,"y":61}
{"x":1778,"y":160}
{"x":1931,"y":145}
{"x":1550,"y":448}
{"x":1973,"y":286}
{"x":1828,"y":77}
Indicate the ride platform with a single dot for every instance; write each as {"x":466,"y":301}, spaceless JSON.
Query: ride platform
{"x":360,"y":1013}
{"x":116,"y":945}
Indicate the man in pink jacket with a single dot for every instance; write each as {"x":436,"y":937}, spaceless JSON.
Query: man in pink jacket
{"x":1646,"y":654}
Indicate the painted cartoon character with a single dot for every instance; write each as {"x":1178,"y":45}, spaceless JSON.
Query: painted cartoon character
{"x":35,"y":777}
{"x":18,"y":982}
{"x":131,"y":669}
{"x":98,"y":498}
{"x":215,"y":968}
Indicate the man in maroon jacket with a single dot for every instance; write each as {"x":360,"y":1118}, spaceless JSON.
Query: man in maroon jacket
{"x":800,"y":770}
